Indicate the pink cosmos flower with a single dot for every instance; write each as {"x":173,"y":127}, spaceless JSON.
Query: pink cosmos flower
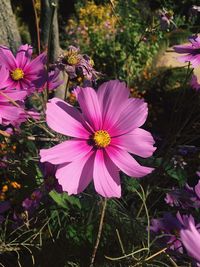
{"x":104,"y":134}
{"x":192,"y":51}
{"x":190,"y":238}
{"x":22,"y":72}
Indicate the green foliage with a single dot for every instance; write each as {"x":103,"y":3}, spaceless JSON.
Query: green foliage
{"x":115,"y":33}
{"x":64,"y":200}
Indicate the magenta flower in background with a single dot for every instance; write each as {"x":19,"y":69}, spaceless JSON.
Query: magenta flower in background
{"x":31,"y":203}
{"x":50,"y":182}
{"x":194,"y":83}
{"x":186,"y":197}
{"x":192,"y":51}
{"x":104,"y":134}
{"x":22,"y":72}
{"x":169,"y":228}
{"x":77,"y":65}
{"x":190,"y":238}
{"x":53,"y":81}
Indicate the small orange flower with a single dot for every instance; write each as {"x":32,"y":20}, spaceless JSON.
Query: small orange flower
{"x":15,"y":185}
{"x":4,"y":188}
{"x":2,"y":196}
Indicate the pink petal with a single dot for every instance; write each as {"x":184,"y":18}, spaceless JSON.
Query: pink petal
{"x":106,"y":176}
{"x":187,"y":49}
{"x":8,"y":112}
{"x":36,"y":64}
{"x":38,"y":79}
{"x":191,"y":240}
{"x":13,"y":94}
{"x":4,"y":74}
{"x":6,"y":58}
{"x":89,"y":104}
{"x":125,"y":162}
{"x":23,"y":56}
{"x":65,"y":119}
{"x":75,"y":177}
{"x":193,"y":59}
{"x":138,"y":142}
{"x":134,"y":115}
{"x":195,"y":41}
{"x":112,"y":96}
{"x":9,"y":83}
{"x":33,"y":114}
{"x":67,"y":151}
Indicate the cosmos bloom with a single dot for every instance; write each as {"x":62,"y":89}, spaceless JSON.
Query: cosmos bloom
{"x":187,"y":197}
{"x":169,"y":227}
{"x":76,"y":65}
{"x":22,"y":72}
{"x":104,"y":134}
{"x":190,"y":238}
{"x":192,"y":51}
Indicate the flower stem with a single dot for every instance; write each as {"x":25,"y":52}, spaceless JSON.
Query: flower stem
{"x":37,"y":27}
{"x":156,"y":254}
{"x":99,"y":233}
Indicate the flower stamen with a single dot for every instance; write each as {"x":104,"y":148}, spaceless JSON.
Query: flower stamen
{"x":17,"y":74}
{"x":101,"y":138}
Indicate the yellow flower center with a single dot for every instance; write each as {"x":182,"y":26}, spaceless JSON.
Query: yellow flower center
{"x":73,"y":59}
{"x":101,"y":138}
{"x":91,"y":62}
{"x":17,"y":74}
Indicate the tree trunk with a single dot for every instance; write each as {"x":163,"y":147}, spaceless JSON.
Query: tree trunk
{"x":45,"y":21}
{"x":9,"y":34}
{"x":55,"y":50}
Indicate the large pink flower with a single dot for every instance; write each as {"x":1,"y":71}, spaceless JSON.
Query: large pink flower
{"x":191,"y":51}
{"x":104,"y":134}
{"x":22,"y":72}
